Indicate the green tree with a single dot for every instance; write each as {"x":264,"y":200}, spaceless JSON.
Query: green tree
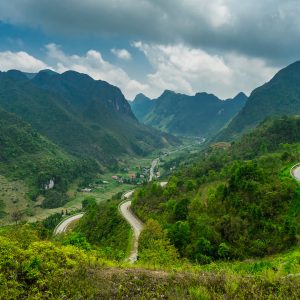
{"x":181,"y":210}
{"x":155,"y":247}
{"x":223,"y":250}
{"x":179,"y":234}
{"x":88,"y":202}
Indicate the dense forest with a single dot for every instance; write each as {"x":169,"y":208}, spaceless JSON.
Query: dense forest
{"x":26,"y":155}
{"x":235,"y":202}
{"x":36,"y":265}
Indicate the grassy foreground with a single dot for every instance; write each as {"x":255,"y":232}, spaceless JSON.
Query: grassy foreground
{"x":32,"y":268}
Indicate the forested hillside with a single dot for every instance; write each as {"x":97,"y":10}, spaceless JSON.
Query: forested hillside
{"x":235,"y":202}
{"x":34,"y":265}
{"x":280,"y":96}
{"x":87,"y":118}
{"x":28,"y":157}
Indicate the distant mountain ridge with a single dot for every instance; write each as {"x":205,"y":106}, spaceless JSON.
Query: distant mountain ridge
{"x":199,"y":115}
{"x":86,"y":117}
{"x":280,"y":96}
{"x":141,"y":106}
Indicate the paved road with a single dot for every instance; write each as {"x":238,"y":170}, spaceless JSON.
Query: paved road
{"x":125,"y":210}
{"x":295,"y":172}
{"x":127,"y":194}
{"x":153,"y":165}
{"x":62,"y":227}
{"x":135,"y":224}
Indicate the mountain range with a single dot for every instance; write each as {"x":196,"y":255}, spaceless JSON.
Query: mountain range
{"x":280,"y":96}
{"x":85,"y":117}
{"x":55,"y":128}
{"x":201,"y":115}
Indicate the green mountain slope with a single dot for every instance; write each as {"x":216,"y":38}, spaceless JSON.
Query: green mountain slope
{"x":280,"y":96}
{"x":200,"y":115}
{"x":234,"y":202}
{"x":85,"y":117}
{"x":220,"y":207}
{"x":27,"y":157}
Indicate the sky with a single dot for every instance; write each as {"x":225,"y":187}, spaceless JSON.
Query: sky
{"x":148,"y":46}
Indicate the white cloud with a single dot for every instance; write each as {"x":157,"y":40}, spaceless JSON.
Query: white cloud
{"x":121,"y":53}
{"x":176,"y":67}
{"x":190,"y":70}
{"x":93,"y":64}
{"x":21,"y":61}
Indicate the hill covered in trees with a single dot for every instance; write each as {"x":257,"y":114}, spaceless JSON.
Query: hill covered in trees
{"x":35,"y":265}
{"x":58,"y":128}
{"x":280,"y":96}
{"x":28,"y":157}
{"x":235,"y":202}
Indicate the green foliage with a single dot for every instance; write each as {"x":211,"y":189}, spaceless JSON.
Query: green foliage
{"x":52,"y":221}
{"x":54,"y":199}
{"x":179,"y":235}
{"x":181,"y":210}
{"x":88,"y":202}
{"x":103,"y":226}
{"x":223,"y":250}
{"x":78,"y":240}
{"x":154,"y":246}
{"x":34,"y":269}
{"x":244,"y":208}
{"x":280,"y":96}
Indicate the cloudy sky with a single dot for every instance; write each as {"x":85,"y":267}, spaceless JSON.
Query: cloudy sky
{"x":217,"y":46}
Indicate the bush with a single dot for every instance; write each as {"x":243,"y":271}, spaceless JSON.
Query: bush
{"x":54,"y":199}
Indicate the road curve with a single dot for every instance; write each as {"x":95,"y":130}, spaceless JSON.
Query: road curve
{"x":62,"y":227}
{"x":128,"y":215}
{"x":295,"y":172}
{"x":127,"y":195}
{"x":135,"y":224}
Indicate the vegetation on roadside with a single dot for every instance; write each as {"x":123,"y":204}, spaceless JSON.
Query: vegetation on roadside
{"x":233,"y":203}
{"x":104,"y":227}
{"x":33,"y":268}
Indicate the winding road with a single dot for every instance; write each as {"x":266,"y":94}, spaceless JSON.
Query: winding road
{"x":62,"y":227}
{"x":295,"y":172}
{"x":135,"y":224}
{"x":124,"y":208}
